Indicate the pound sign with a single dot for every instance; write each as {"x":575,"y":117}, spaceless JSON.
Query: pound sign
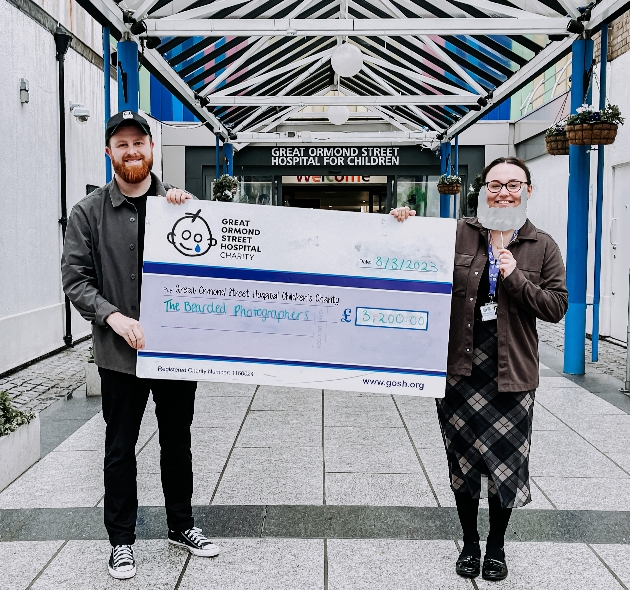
{"x":346,"y":316}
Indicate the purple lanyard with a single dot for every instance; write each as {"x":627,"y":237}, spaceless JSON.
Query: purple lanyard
{"x":493,"y":269}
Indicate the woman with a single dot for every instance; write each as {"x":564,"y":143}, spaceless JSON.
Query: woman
{"x":502,"y":282}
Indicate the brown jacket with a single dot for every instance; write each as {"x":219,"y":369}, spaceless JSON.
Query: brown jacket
{"x":535,"y":289}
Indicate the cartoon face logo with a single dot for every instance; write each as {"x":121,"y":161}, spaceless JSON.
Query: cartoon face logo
{"x":191,"y":235}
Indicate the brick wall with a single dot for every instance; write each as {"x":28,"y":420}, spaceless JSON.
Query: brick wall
{"x":618,"y":38}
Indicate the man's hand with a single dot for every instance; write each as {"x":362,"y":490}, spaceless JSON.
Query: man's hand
{"x":128,"y":328}
{"x":507,"y":264}
{"x":402,"y":213}
{"x":177,"y":196}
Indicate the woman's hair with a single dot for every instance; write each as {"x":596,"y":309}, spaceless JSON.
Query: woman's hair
{"x":510,"y":160}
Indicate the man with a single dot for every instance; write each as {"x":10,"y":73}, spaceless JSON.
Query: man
{"x":102,"y":274}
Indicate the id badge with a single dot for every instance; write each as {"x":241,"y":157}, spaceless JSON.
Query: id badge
{"x":488,"y":312}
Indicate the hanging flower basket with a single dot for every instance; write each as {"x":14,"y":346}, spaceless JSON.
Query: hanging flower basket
{"x":224,"y":188}
{"x":591,"y":127}
{"x":557,"y":145}
{"x":556,"y":140}
{"x":591,"y":134}
{"x":449,"y":184}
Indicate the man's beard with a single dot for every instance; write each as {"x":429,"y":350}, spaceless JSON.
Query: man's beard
{"x":133,"y":174}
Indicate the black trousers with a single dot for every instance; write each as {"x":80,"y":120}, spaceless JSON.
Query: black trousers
{"x":124,"y":401}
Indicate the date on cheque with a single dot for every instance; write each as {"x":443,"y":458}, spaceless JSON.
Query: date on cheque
{"x":392,"y":318}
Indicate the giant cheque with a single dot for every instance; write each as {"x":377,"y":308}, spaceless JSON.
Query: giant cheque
{"x":296,"y":297}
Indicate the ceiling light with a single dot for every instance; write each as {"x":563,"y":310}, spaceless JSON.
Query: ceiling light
{"x":338,"y":114}
{"x":347,"y":60}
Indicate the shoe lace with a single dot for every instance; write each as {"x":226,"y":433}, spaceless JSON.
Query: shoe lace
{"x":195,"y":535}
{"x":123,"y":554}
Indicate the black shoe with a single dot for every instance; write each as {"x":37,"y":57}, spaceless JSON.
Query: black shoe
{"x":495,"y":568}
{"x":194,"y":541}
{"x":122,"y":564}
{"x":468,"y":566}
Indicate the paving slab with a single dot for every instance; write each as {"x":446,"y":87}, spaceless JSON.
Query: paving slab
{"x":272,"y":475}
{"x":372,"y":458}
{"x":393,"y":565}
{"x":281,"y":428}
{"x":287,"y":398}
{"x":378,"y":489}
{"x":61,"y":479}
{"x":392,"y":437}
{"x":586,"y":493}
{"x":567,"y":402}
{"x":259,"y":564}
{"x":553,"y":566}
{"x":617,"y":558}
{"x":158,"y":567}
{"x":608,"y":433}
{"x":21,"y":561}
{"x":208,"y":388}
{"x":567,"y":454}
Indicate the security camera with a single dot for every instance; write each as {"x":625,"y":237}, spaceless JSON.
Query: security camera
{"x":80,"y":112}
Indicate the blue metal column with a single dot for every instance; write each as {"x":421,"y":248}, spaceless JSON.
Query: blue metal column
{"x":128,"y":78}
{"x":456,"y":172}
{"x":600,"y":198}
{"x":228,"y":153}
{"x":217,"y":172}
{"x":445,"y":168}
{"x":107,"y":94}
{"x":577,"y":224}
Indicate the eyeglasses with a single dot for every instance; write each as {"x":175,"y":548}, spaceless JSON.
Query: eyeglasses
{"x":512,"y":186}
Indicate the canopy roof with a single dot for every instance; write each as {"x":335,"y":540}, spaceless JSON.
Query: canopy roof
{"x":429,"y":66}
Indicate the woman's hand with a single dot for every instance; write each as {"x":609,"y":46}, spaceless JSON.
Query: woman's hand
{"x":402,"y":213}
{"x":507,"y":264}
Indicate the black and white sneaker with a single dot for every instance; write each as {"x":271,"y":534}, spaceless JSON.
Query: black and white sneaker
{"x":194,"y":541}
{"x":122,"y":564}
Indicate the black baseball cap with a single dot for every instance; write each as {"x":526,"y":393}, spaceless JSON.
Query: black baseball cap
{"x":125,"y":117}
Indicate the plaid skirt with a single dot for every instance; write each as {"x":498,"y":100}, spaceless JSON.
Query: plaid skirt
{"x":487,"y":434}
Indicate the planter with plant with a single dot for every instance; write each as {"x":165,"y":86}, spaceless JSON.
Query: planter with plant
{"x":556,"y":140}
{"x":449,"y":184}
{"x":590,"y":127}
{"x":92,"y":377}
{"x":473,"y":193}
{"x":224,"y":188}
{"x":19,"y":441}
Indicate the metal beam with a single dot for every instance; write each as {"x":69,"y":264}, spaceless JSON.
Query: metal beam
{"x":303,"y":101}
{"x":427,"y":80}
{"x":605,"y":11}
{"x":548,"y":56}
{"x":339,"y":27}
{"x":229,"y":70}
{"x":273,"y":73}
{"x":335,"y":136}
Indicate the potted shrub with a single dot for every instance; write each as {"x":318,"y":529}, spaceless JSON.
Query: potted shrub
{"x":473,"y":193}
{"x":92,"y":378}
{"x":19,"y":441}
{"x":449,"y":184}
{"x":591,"y":127}
{"x":224,"y":188}
{"x":556,"y":140}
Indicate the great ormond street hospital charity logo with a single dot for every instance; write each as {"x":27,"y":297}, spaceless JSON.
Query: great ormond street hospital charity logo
{"x":191,"y":235}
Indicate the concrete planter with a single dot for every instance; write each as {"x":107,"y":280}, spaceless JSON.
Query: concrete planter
{"x":92,"y":380}
{"x":18,"y":451}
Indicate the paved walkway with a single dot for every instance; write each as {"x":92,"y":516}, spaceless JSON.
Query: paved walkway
{"x":322,"y":489}
{"x":43,"y":383}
